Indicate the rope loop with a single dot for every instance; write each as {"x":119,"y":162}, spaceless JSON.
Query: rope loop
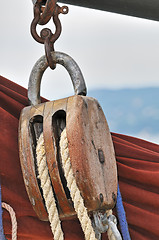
{"x":13,"y":219}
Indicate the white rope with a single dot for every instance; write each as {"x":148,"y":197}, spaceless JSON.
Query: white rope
{"x":74,"y":191}
{"x":13,"y":219}
{"x":47,"y":190}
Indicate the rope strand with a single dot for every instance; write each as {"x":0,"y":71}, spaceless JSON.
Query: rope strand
{"x":13,"y":219}
{"x":47,"y":190}
{"x":77,"y":199}
{"x":74,"y":191}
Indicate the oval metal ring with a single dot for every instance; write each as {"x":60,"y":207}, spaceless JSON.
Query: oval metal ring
{"x":41,"y":65}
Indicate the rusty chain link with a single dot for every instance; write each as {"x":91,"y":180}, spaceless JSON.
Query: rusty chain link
{"x":42,"y":15}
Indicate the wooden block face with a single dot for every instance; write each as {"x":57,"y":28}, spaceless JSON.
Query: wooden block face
{"x":28,"y":161}
{"x":90,"y":147}
{"x":33,"y":121}
{"x":54,"y":114}
{"x":91,"y":152}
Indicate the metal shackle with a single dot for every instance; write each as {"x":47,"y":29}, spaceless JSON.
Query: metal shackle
{"x":41,"y":65}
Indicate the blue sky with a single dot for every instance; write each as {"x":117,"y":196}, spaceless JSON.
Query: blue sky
{"x":112,"y":50}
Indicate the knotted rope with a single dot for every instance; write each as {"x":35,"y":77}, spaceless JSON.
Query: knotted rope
{"x":13,"y":219}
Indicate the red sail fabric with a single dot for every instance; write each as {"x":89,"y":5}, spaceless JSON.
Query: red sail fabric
{"x":138,"y":169}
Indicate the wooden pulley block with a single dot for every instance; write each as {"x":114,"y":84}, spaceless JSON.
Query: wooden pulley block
{"x":89,"y":141}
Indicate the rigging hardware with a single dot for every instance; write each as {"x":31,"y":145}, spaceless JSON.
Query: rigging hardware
{"x":87,"y":133}
{"x":42,"y":15}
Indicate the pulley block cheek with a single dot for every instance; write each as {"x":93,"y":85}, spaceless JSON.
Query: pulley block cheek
{"x":89,"y":142}
{"x":91,"y":152}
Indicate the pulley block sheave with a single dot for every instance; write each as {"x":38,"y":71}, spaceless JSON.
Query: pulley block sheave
{"x":89,"y":142}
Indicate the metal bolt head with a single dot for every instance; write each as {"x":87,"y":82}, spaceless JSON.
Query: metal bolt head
{"x":101,"y":197}
{"x":101,"y":156}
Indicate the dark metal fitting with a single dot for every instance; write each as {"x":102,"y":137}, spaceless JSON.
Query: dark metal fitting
{"x":49,"y":48}
{"x":101,"y":197}
{"x":48,"y":9}
{"x":101,"y":156}
{"x":46,"y":36}
{"x":37,"y":17}
{"x":53,"y":37}
{"x":64,"y":10}
{"x":35,"y":23}
{"x":47,"y":12}
{"x":45,"y":33}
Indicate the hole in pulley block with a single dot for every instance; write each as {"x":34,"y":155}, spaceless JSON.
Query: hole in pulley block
{"x":36,"y":129}
{"x":59,"y":123}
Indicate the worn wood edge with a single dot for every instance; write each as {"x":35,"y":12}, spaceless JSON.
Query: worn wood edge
{"x":28,"y":170}
{"x":86,"y":194}
{"x":66,"y":210}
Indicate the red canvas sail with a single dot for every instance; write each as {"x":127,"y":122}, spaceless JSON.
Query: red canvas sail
{"x":138,"y":170}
